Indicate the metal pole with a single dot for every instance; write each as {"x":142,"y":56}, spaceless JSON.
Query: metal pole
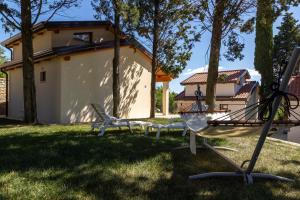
{"x":283,"y":87}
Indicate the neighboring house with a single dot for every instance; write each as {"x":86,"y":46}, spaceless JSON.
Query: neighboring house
{"x":234,"y":91}
{"x":73,"y":68}
{"x":294,"y":88}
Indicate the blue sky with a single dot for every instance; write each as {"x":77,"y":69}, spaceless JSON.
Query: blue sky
{"x":199,"y":58}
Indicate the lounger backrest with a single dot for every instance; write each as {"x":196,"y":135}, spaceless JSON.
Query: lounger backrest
{"x":100,"y":112}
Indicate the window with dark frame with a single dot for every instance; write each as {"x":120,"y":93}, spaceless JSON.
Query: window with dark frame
{"x":223,"y":106}
{"x":43,"y":76}
{"x":84,"y":36}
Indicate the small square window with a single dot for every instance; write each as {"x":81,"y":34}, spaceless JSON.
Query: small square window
{"x":43,"y":76}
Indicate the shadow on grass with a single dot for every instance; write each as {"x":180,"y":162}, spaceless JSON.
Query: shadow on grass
{"x":122,"y":166}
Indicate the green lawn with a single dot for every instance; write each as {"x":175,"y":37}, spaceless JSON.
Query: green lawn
{"x":70,"y":162}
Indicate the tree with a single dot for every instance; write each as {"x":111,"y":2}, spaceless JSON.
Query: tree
{"x":285,"y":41}
{"x":267,"y":12}
{"x":21,"y":15}
{"x":121,"y":13}
{"x":263,"y":61}
{"x":165,"y":26}
{"x":225,"y":19}
{"x":158,"y":100}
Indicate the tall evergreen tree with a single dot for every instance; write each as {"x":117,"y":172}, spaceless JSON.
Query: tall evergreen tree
{"x":165,"y":26}
{"x":225,"y":19}
{"x":267,"y":12}
{"x":21,"y":15}
{"x":121,"y":13}
{"x":285,"y":41}
{"x":2,"y":56}
{"x":263,"y":61}
{"x":2,"y":60}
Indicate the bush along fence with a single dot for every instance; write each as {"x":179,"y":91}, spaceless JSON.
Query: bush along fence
{"x":2,"y":96}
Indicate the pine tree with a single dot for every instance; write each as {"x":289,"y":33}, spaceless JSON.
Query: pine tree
{"x":122,"y":14}
{"x":285,"y":41}
{"x":225,"y":19}
{"x":267,"y":12}
{"x":2,"y":57}
{"x":165,"y":26}
{"x":2,"y":60}
{"x":264,"y":44}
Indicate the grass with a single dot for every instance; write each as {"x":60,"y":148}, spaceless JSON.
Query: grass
{"x":70,"y":162}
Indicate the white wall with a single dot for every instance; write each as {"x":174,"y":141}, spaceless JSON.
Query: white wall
{"x":15,"y":97}
{"x":47,"y":93}
{"x":87,"y":78}
{"x":65,"y":36}
{"x":40,"y":42}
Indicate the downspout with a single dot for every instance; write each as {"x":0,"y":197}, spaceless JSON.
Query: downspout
{"x":6,"y":91}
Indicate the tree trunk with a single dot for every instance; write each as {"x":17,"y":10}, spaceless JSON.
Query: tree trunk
{"x":154,"y":57}
{"x":116,"y":64}
{"x":264,"y":45}
{"x":214,"y":57}
{"x":29,"y":92}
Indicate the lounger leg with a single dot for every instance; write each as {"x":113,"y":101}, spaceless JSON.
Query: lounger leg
{"x":158,"y":133}
{"x":193,"y":146}
{"x":93,"y":126}
{"x":147,"y":130}
{"x":130,"y":128}
{"x":102,"y":131}
{"x":184,"y":131}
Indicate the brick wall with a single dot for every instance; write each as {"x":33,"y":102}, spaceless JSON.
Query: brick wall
{"x":2,"y":96}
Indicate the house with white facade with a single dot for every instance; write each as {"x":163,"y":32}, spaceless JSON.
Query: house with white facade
{"x":73,"y":68}
{"x":234,"y":91}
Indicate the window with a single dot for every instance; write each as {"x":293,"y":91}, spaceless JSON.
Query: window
{"x":223,"y":106}
{"x":83,"y":36}
{"x":43,"y":76}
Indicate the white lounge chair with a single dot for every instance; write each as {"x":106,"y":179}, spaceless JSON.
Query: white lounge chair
{"x":106,"y":121}
{"x":174,"y":125}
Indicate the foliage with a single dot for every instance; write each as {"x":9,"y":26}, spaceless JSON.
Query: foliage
{"x":222,"y":77}
{"x":22,"y":15}
{"x":10,"y":11}
{"x":264,"y":44}
{"x":120,"y":13}
{"x":176,"y":35}
{"x":158,"y":100}
{"x":236,"y":21}
{"x":267,"y":12}
{"x":226,"y":20}
{"x":106,"y":9}
{"x":2,"y":60}
{"x":285,"y":41}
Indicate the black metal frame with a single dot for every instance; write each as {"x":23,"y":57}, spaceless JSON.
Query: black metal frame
{"x":248,"y":174}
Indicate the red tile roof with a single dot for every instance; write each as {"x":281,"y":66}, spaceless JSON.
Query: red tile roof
{"x":231,"y":76}
{"x":241,"y":95}
{"x":294,"y":85}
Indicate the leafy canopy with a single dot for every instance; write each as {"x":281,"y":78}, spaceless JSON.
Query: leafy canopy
{"x":10,"y":11}
{"x":106,"y":9}
{"x":2,"y":60}
{"x":285,"y":41}
{"x":237,"y":20}
{"x":176,"y":35}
